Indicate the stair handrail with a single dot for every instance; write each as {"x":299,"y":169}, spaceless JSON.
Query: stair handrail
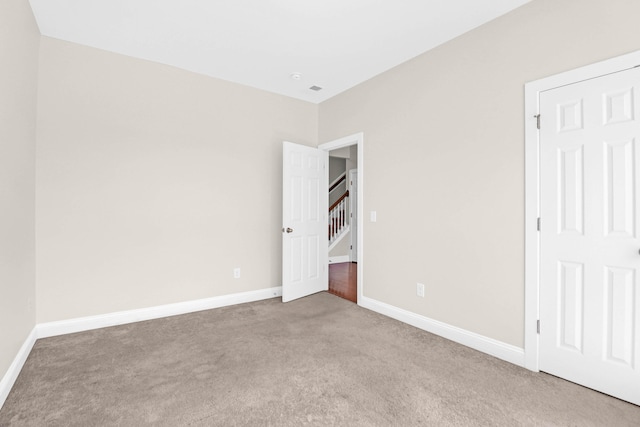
{"x":337,"y":202}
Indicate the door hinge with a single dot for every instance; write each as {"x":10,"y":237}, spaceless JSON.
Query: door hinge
{"x":538,"y":224}
{"x":537,"y":116}
{"x":538,"y":326}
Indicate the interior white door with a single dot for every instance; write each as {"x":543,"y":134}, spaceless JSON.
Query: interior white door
{"x":353,"y":211}
{"x":589,"y":294}
{"x":304,"y":221}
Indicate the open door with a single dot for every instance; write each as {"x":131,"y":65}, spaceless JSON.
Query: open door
{"x":304,"y":221}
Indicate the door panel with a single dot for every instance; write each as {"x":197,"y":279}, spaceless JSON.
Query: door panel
{"x":620,"y":188}
{"x":619,"y":315}
{"x":304,"y":210}
{"x":570,"y":175}
{"x":589,"y":260}
{"x":571,"y":298}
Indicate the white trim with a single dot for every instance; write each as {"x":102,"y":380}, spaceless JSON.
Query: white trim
{"x":355,"y":139}
{"x":532,"y":190}
{"x":9,"y":378}
{"x":353,"y":203}
{"x":478,"y":342}
{"x":499,"y":349}
{"x":80,"y":324}
{"x":50,"y":329}
{"x":338,"y":259}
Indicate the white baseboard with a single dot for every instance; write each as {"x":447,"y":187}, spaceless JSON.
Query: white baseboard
{"x":338,"y":259}
{"x":9,"y":378}
{"x":478,"y":342}
{"x":50,"y":329}
{"x":70,"y":326}
{"x":499,"y":349}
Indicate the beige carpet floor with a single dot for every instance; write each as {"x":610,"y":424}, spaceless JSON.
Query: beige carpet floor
{"x":320,"y":360}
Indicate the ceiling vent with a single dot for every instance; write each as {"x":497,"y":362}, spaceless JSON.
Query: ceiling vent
{"x":316,"y":88}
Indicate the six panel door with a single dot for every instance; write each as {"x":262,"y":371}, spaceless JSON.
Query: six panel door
{"x":589,"y":296}
{"x":304,"y":211}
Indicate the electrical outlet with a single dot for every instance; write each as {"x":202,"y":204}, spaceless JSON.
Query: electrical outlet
{"x":373,"y":216}
{"x":236,"y":273}
{"x":420,"y":290}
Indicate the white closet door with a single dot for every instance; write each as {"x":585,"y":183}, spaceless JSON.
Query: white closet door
{"x":589,"y":295}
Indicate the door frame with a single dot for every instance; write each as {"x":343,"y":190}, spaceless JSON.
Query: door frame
{"x":347,"y":141}
{"x":532,"y":186}
{"x":353,"y":219}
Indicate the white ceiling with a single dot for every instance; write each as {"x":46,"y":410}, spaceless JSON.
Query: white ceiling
{"x":334,"y":44}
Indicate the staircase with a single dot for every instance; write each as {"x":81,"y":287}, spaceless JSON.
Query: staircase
{"x":338,"y":212}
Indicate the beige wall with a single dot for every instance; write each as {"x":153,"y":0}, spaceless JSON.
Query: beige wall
{"x":450,"y":124}
{"x":19,"y":38}
{"x":336,"y":167}
{"x":352,"y":161}
{"x":154,"y":183}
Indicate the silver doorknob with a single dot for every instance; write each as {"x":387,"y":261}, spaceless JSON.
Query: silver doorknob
{"x":288,"y":230}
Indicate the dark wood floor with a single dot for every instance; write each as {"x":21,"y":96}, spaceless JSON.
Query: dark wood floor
{"x":343,"y":280}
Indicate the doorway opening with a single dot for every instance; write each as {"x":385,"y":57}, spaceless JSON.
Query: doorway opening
{"x":345,"y":216}
{"x":343,"y":220}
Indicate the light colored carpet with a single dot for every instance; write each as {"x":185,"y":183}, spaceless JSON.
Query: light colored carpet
{"x":320,"y":360}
